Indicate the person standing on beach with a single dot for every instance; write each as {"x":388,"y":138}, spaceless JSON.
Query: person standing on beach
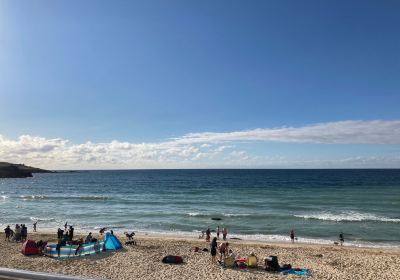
{"x":217,"y":232}
{"x":60,"y":233}
{"x":71,"y":233}
{"x":292,"y":235}
{"x":223,"y":249}
{"x":7,"y":231}
{"x":213,"y":247}
{"x":24,"y":232}
{"x":224,"y":233}
{"x":341,"y":238}
{"x":65,"y":226}
{"x":208,"y":234}
{"x":34,"y":226}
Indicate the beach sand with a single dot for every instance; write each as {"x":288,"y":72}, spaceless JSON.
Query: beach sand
{"x":143,"y":261}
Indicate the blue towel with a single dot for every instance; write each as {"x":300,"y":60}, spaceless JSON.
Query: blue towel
{"x":302,"y":272}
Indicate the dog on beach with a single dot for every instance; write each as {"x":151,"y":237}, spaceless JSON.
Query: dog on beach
{"x":130,"y":238}
{"x":129,"y":235}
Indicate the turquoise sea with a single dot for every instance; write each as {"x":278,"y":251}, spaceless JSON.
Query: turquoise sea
{"x":252,"y":204}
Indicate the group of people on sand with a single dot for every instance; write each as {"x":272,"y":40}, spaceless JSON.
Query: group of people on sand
{"x":67,"y":234}
{"x":224,"y":232}
{"x":19,"y":234}
{"x":223,"y":249}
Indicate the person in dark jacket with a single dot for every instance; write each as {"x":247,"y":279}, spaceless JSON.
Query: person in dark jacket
{"x":213,"y":247}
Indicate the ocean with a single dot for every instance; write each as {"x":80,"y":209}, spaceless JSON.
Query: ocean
{"x":259,"y":205}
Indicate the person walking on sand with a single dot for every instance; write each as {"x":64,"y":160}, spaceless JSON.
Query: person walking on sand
{"x":213,"y":247}
{"x":224,"y":233}
{"x":7,"y":231}
{"x":292,"y":235}
{"x":341,"y":238}
{"x":34,"y":226}
{"x":218,"y":232}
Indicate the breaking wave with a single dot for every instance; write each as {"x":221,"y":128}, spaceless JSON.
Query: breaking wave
{"x":348,"y":217}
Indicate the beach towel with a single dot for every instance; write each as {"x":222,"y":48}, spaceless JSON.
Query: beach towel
{"x":297,"y":271}
{"x":172,"y":259}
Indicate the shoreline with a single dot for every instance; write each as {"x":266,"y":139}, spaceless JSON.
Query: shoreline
{"x":256,"y":239}
{"x":143,"y":261}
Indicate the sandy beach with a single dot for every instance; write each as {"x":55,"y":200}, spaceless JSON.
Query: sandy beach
{"x":143,"y":261}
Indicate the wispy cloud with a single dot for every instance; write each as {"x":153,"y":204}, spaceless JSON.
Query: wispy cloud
{"x":208,"y":149}
{"x":344,"y":132}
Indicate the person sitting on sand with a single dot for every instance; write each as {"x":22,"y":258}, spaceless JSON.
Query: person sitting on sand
{"x":88,"y":238}
{"x":201,"y":236}
{"x":231,"y":254}
{"x":223,"y":249}
{"x":292,"y":235}
{"x":7,"y":231}
{"x":213,"y":247}
{"x":341,"y":238}
{"x":208,"y":234}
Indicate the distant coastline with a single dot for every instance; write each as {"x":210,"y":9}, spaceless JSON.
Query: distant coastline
{"x":12,"y":170}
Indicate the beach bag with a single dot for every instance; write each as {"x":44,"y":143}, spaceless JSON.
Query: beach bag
{"x":271,"y":264}
{"x":172,"y":259}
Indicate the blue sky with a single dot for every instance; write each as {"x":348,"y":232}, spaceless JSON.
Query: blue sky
{"x":146,"y":72}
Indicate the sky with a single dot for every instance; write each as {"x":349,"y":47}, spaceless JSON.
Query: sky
{"x":200,"y":84}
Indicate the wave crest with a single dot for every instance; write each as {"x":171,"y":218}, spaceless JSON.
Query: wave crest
{"x":348,"y":217}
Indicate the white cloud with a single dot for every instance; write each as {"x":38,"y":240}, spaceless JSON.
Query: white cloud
{"x":205,"y":149}
{"x":344,"y":132}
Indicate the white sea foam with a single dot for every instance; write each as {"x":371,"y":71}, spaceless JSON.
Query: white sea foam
{"x":37,"y":219}
{"x":197,"y":214}
{"x":350,"y":216}
{"x":194,"y":214}
{"x":235,"y":214}
{"x":4,"y":197}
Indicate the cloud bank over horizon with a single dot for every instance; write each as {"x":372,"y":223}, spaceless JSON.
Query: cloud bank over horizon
{"x":210,"y":149}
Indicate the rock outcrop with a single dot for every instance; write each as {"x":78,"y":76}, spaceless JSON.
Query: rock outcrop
{"x":10,"y":170}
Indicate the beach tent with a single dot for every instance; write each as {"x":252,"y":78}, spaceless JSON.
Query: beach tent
{"x":29,"y":248}
{"x":111,"y":242}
